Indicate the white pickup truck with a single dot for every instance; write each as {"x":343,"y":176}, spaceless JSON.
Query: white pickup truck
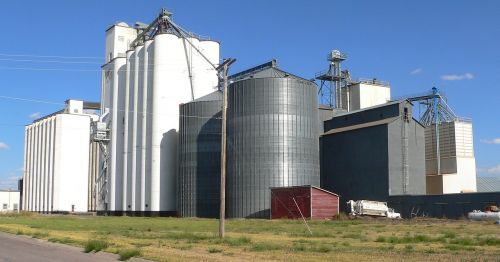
{"x":371,"y":208}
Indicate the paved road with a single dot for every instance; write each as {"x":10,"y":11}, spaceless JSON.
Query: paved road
{"x":21,"y":248}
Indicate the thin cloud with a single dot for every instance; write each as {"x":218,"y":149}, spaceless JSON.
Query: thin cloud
{"x":495,"y":141}
{"x":466,"y":76}
{"x":35,"y":115}
{"x":11,"y":182}
{"x":3,"y":146}
{"x":416,"y":71}
{"x":489,"y":171}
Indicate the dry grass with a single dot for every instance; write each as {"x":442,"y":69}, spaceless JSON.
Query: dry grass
{"x":176,"y":239}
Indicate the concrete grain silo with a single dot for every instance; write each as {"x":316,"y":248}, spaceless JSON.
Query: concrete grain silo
{"x":149,"y":72}
{"x":60,"y":161}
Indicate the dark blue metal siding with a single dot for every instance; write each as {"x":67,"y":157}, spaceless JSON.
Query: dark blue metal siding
{"x":354,"y":164}
{"x":198,"y":182}
{"x":449,"y":205}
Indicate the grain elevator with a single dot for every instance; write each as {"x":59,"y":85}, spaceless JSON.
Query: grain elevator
{"x":149,"y":72}
{"x":59,"y":161}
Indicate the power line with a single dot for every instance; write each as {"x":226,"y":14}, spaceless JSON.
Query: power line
{"x":48,"y":61}
{"x":48,"y":69}
{"x":118,"y":110}
{"x":31,"y":100}
{"x":51,"y":56}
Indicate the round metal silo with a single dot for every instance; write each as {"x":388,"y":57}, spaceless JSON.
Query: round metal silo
{"x":198,"y":181}
{"x":273,"y":141}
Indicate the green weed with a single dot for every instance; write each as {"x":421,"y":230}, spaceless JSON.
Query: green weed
{"x":95,"y":245}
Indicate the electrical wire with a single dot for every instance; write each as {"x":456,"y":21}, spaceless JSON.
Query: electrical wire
{"x":119,"y":110}
{"x":48,"y":69}
{"x":31,"y":100}
{"x":50,"y":56}
{"x":48,"y":61}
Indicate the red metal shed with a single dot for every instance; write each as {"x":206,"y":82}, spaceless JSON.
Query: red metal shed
{"x":313,"y":202}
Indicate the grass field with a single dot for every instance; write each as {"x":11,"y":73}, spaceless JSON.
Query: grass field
{"x":174,"y":239}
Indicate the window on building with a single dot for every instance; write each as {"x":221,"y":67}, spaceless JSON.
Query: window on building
{"x":16,"y":207}
{"x":406,"y":116}
{"x":5,"y":206}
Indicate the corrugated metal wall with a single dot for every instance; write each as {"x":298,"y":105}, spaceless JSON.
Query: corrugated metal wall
{"x":199,"y":158}
{"x":272,"y":141}
{"x":367,"y":161}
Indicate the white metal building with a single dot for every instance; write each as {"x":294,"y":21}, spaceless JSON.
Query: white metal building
{"x":366,"y":93}
{"x":9,"y":200}
{"x":142,"y":88}
{"x":457,"y":172}
{"x":56,"y":161}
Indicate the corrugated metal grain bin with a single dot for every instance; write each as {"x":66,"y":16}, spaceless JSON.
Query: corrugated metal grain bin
{"x":313,"y":202}
{"x":199,"y":157}
{"x":272,"y":138}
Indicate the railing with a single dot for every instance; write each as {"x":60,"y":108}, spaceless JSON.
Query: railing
{"x":373,"y":81}
{"x":324,"y":72}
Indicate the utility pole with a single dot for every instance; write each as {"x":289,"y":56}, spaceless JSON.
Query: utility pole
{"x":222,"y":217}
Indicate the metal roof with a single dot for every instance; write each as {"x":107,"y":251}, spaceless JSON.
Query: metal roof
{"x":266,"y":70}
{"x":375,"y":106}
{"x":307,"y":186}
{"x":364,"y":125}
{"x":488,"y":184}
{"x":214,"y":96}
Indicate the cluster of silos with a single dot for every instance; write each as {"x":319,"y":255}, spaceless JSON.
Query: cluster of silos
{"x":272,"y":138}
{"x":200,"y":126}
{"x":143,"y":86}
{"x":57,"y":161}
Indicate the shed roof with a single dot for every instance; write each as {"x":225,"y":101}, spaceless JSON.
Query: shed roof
{"x":359,"y":126}
{"x":266,"y":70}
{"x":488,"y":184}
{"x":214,"y":96}
{"x":307,"y":186}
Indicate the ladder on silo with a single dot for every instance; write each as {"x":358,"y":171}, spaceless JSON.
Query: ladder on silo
{"x":404,"y":153}
{"x":100,"y":135}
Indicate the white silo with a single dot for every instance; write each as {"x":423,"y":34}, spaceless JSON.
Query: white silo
{"x":136,"y":124}
{"x":114,"y":74}
{"x":206,"y":76}
{"x":146,"y":119}
{"x":129,"y":82}
{"x":170,"y":80}
{"x":162,"y":72}
{"x":130,"y":134}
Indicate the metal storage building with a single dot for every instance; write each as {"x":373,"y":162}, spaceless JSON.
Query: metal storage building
{"x":57,"y":161}
{"x":457,"y":172}
{"x":308,"y":201}
{"x":272,"y":137}
{"x":198,"y":183}
{"x":374,"y":153}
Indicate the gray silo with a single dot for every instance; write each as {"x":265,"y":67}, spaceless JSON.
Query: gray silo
{"x":200,"y":128}
{"x":273,"y":137}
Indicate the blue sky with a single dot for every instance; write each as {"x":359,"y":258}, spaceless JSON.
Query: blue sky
{"x":454,"y":45}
